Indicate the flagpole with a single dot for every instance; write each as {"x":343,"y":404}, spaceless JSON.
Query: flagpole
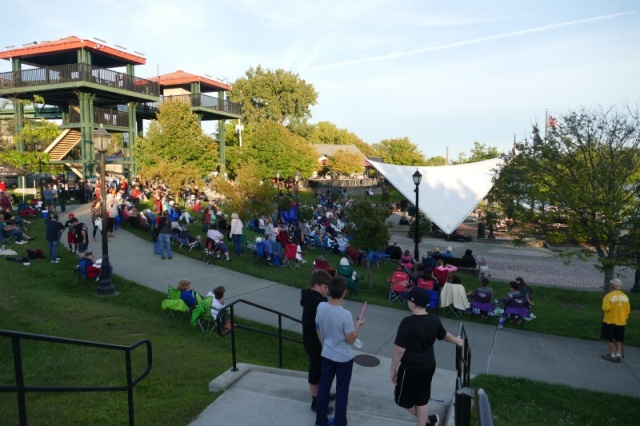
{"x":546,"y":123}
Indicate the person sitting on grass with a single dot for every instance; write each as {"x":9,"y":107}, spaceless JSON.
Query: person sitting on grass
{"x":91,"y":266}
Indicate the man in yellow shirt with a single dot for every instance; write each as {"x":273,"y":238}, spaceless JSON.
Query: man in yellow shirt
{"x":616,"y":308}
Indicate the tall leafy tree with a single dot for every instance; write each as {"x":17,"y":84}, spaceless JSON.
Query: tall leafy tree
{"x":280,"y":96}
{"x":328,"y":133}
{"x":248,"y":194}
{"x":436,"y":161}
{"x":479,"y":152}
{"x":175,"y":149}
{"x":369,"y":227}
{"x":345,"y":162}
{"x":271,"y":147}
{"x":588,"y":170}
{"x":400,"y":151}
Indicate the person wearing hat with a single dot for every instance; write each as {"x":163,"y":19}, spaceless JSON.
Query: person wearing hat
{"x":448,"y":253}
{"x":413,"y":362}
{"x":616,"y":308}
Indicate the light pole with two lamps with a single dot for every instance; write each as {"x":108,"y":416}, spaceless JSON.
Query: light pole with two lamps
{"x":239,"y":130}
{"x":417,"y":178}
{"x":296,"y":178}
{"x":101,"y":140}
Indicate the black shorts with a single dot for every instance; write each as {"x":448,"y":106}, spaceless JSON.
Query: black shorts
{"x":315,"y":362}
{"x":612,"y":332}
{"x":413,"y":386}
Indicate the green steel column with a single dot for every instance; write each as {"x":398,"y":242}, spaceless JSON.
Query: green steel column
{"x":221,"y":137}
{"x":86,"y":129}
{"x":18,"y":108}
{"x":132,"y":166}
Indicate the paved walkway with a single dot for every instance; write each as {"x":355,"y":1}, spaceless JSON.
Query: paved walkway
{"x":263,"y":397}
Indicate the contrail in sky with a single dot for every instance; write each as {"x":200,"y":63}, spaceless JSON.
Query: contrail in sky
{"x":470,"y":42}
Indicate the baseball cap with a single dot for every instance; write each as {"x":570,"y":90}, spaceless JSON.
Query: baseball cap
{"x":417,"y":295}
{"x":71,"y":215}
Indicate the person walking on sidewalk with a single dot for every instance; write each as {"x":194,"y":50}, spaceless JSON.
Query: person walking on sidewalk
{"x":310,"y":298}
{"x":616,"y":308}
{"x":337,"y":333}
{"x":413,"y":362}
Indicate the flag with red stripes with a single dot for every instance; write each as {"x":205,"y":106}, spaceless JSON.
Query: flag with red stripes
{"x":552,"y":122}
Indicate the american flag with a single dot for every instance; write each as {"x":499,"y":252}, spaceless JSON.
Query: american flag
{"x":552,"y":122}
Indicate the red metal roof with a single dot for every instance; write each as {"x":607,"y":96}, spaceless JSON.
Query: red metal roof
{"x":180,"y":77}
{"x":71,"y":43}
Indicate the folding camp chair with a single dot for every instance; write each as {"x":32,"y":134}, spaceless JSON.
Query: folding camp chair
{"x":399,"y":284}
{"x":174,"y":304}
{"x":260,"y":254}
{"x":481,"y":305}
{"x":86,"y":275}
{"x":516,"y":310}
{"x":290,"y":255}
{"x":201,"y":316}
{"x":347,"y":272}
{"x":188,"y":242}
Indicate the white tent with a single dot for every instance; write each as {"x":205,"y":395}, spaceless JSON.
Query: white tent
{"x":447,"y":193}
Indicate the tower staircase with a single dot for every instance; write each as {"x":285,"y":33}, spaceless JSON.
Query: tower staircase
{"x":59,"y":148}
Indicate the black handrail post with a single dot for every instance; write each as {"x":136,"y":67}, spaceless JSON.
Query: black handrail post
{"x":233,"y":340}
{"x":127,"y":355}
{"x":17,"y":363}
{"x":279,"y":341}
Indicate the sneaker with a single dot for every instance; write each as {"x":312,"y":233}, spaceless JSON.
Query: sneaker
{"x":162,"y":258}
{"x":21,"y":242}
{"x":618,"y":359}
{"x":433,"y":419}
{"x":170,"y":257}
{"x":55,"y":261}
{"x":329,"y":410}
{"x":610,"y":358}
{"x":330,"y":421}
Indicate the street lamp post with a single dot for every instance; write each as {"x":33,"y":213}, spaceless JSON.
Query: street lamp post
{"x":278,"y":179}
{"x":101,"y":139}
{"x":239,"y":130}
{"x":417,"y":177}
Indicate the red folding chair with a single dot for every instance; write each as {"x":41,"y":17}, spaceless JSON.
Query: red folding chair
{"x":399,"y":284}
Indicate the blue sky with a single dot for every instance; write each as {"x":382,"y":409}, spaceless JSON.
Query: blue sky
{"x":443,"y":73}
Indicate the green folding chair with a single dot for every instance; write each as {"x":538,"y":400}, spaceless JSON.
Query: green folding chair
{"x":174,"y":305}
{"x":347,"y":272}
{"x":201,"y":316}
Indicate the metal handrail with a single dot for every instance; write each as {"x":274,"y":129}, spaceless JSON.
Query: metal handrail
{"x":465,"y":393}
{"x":206,"y":101}
{"x":78,"y":72}
{"x":20,"y":389}
{"x":231,"y":308}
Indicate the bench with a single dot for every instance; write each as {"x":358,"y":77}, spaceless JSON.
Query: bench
{"x":464,"y":266}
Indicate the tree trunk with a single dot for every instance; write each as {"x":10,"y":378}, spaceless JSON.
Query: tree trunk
{"x":608,"y":276}
{"x":369,"y":275}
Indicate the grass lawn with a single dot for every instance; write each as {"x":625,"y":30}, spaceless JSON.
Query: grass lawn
{"x":33,"y":299}
{"x":47,"y":299}
{"x":526,"y":402}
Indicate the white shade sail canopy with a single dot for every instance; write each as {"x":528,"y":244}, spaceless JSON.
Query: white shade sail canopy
{"x":447,"y":193}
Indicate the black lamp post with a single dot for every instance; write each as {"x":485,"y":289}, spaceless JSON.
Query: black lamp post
{"x":296,"y":178}
{"x":417,"y":178}
{"x":101,"y":139}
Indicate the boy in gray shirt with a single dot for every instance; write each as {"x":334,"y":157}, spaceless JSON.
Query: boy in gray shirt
{"x":336,"y":332}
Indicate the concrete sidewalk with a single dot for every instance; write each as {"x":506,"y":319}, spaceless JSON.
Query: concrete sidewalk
{"x":268,"y":396}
